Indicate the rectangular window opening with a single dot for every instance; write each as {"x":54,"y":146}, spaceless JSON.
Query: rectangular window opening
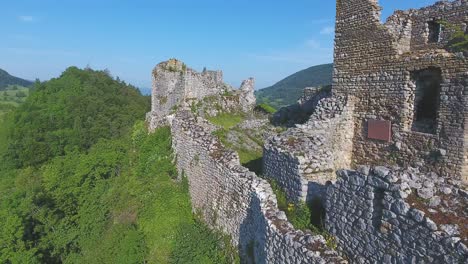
{"x":434,"y":31}
{"x":426,"y":100}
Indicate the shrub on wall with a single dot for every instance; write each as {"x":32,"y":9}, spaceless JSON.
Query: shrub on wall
{"x":458,"y":41}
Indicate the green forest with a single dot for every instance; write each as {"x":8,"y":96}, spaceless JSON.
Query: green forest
{"x":82,"y":181}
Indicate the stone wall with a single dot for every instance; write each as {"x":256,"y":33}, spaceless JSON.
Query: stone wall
{"x":237,"y":202}
{"x":375,"y":63}
{"x":453,"y":12}
{"x":465,"y":167}
{"x":300,"y":112}
{"x":374,"y":223}
{"x":303,"y":159}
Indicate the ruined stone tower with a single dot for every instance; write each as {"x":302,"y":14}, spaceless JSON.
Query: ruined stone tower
{"x":176,"y":86}
{"x":410,"y":93}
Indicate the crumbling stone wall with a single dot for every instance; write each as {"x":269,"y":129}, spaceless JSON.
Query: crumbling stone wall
{"x":303,"y":159}
{"x":465,"y":166}
{"x":176,"y":86}
{"x":300,"y":112}
{"x":374,"y":63}
{"x":236,"y":201}
{"x":369,"y":214}
{"x":452,"y":12}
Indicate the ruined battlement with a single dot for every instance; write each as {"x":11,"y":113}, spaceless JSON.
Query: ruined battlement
{"x":176,"y":86}
{"x":173,"y":82}
{"x":423,"y":29}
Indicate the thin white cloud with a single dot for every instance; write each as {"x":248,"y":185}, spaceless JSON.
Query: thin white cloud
{"x":327,"y":30}
{"x":26,"y":18}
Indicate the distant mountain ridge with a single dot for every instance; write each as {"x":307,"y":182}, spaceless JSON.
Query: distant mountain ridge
{"x":7,"y":79}
{"x":288,"y":90}
{"x":145,"y":91}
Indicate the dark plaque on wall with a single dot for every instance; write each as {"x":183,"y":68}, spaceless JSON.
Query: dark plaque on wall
{"x":379,"y":129}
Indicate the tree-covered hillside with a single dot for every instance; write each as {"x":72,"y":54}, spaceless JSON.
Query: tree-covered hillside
{"x":81,"y":181}
{"x":288,"y":90}
{"x":72,"y":113}
{"x":6,"y":79}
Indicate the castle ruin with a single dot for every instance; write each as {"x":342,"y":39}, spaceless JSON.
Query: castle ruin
{"x":410,"y":93}
{"x":406,"y":96}
{"x":385,"y":153}
{"x":175,"y":86}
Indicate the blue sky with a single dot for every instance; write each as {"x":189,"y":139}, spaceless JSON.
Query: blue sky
{"x":265,"y":39}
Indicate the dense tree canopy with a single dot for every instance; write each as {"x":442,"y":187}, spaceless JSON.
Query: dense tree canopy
{"x":71,"y":113}
{"x":82,"y":181}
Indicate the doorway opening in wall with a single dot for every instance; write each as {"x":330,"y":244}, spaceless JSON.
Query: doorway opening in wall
{"x":434,"y":31}
{"x":426,"y":99}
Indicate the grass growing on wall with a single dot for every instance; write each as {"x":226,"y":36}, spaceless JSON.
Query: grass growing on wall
{"x":458,"y":41}
{"x":251,"y":158}
{"x":298,"y":214}
{"x":226,"y":120}
{"x":265,"y":107}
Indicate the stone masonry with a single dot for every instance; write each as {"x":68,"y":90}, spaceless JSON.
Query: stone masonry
{"x":399,"y":99}
{"x":371,"y":217}
{"x":234,"y":200}
{"x":227,"y":195}
{"x":400,"y":72}
{"x":176,"y":86}
{"x":407,"y":100}
{"x":303,"y":159}
{"x":300,"y":112}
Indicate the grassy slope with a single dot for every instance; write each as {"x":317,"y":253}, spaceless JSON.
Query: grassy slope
{"x":226,"y":120}
{"x":288,"y":90}
{"x":248,"y":156}
{"x":10,"y":96}
{"x":9,"y":99}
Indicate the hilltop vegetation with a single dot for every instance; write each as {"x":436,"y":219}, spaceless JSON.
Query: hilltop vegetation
{"x":12,"y":97}
{"x":288,"y":90}
{"x":7,"y":80}
{"x":72,"y":113}
{"x":81,"y":181}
